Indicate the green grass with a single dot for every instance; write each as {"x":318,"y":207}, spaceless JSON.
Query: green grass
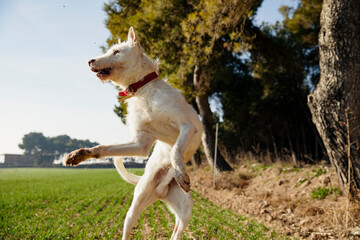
{"x":92,"y":204}
{"x":321,"y":193}
{"x":260,"y":167}
{"x":318,"y":172}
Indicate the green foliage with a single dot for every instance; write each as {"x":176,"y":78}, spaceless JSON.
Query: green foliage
{"x":291,"y":169}
{"x":319,"y":172}
{"x":267,"y":103}
{"x":304,"y":26}
{"x":120,"y":111}
{"x":208,"y":27}
{"x":180,"y":33}
{"x":321,"y":193}
{"x":260,"y":167}
{"x":34,"y":143}
{"x":305,"y":21}
{"x":302,"y":181}
{"x":92,"y":204}
{"x":45,"y":149}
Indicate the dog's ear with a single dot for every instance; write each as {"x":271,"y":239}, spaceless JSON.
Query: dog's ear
{"x":132,"y":39}
{"x":132,"y":36}
{"x":119,"y":40}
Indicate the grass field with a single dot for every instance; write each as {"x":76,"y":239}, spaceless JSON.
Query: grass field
{"x":91,"y":204}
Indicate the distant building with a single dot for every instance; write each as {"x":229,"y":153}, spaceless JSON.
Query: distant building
{"x":15,"y":160}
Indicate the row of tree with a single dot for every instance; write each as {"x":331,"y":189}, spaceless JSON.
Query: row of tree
{"x":44,"y":150}
{"x":258,"y":75}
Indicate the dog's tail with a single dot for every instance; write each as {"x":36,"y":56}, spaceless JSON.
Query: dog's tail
{"x":129,"y":177}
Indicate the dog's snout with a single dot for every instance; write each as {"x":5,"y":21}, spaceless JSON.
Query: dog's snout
{"x":91,"y":61}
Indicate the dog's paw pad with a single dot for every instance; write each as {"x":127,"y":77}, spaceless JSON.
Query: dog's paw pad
{"x":183,"y":180}
{"x":77,"y":156}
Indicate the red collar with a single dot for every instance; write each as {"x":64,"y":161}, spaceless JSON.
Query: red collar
{"x":132,"y":89}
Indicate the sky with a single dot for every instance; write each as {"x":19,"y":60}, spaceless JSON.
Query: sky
{"x":45,"y":83}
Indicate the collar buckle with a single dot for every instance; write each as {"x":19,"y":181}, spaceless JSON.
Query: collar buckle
{"x":130,"y":90}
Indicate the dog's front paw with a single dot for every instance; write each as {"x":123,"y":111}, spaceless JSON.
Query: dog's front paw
{"x":183,"y":180}
{"x":77,"y":156}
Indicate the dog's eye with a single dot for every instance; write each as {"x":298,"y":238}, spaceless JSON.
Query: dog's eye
{"x":116,"y":52}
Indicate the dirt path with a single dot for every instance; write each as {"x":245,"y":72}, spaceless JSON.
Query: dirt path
{"x":280,"y":197}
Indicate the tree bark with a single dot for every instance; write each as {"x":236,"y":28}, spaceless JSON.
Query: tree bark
{"x":339,"y":89}
{"x":208,"y":137}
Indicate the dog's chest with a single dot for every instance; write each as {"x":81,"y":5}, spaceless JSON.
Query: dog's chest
{"x":141,"y":111}
{"x":154,"y":117}
{"x":150,"y":114}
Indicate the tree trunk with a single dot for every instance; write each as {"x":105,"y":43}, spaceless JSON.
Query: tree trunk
{"x":208,"y":138}
{"x":293,"y":156}
{"x":339,"y":89}
{"x":274,"y":144}
{"x":196,"y":160}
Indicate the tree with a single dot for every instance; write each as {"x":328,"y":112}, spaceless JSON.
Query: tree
{"x":35,"y":145}
{"x":264,"y":99}
{"x":207,"y":30}
{"x":304,"y":26}
{"x":45,"y":149}
{"x":335,"y":101}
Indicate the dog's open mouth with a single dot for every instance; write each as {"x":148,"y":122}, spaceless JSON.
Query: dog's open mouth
{"x":102,"y":73}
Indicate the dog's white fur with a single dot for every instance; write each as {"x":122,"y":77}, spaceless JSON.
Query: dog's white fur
{"x":157,"y":113}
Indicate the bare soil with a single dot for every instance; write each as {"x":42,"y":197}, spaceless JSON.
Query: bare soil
{"x":281,"y":198}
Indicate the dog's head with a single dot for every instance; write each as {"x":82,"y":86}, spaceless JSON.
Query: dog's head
{"x":120,"y":63}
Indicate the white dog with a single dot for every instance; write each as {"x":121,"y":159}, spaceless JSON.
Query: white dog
{"x":156,"y":112}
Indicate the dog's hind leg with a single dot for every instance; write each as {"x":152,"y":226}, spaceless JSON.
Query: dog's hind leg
{"x":182,"y":151}
{"x":180,"y":203}
{"x":144,"y":195}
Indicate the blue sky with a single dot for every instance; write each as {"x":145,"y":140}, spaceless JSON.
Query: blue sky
{"x":45,"y":83}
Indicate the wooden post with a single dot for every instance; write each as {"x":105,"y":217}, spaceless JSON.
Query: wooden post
{"x":215,"y":154}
